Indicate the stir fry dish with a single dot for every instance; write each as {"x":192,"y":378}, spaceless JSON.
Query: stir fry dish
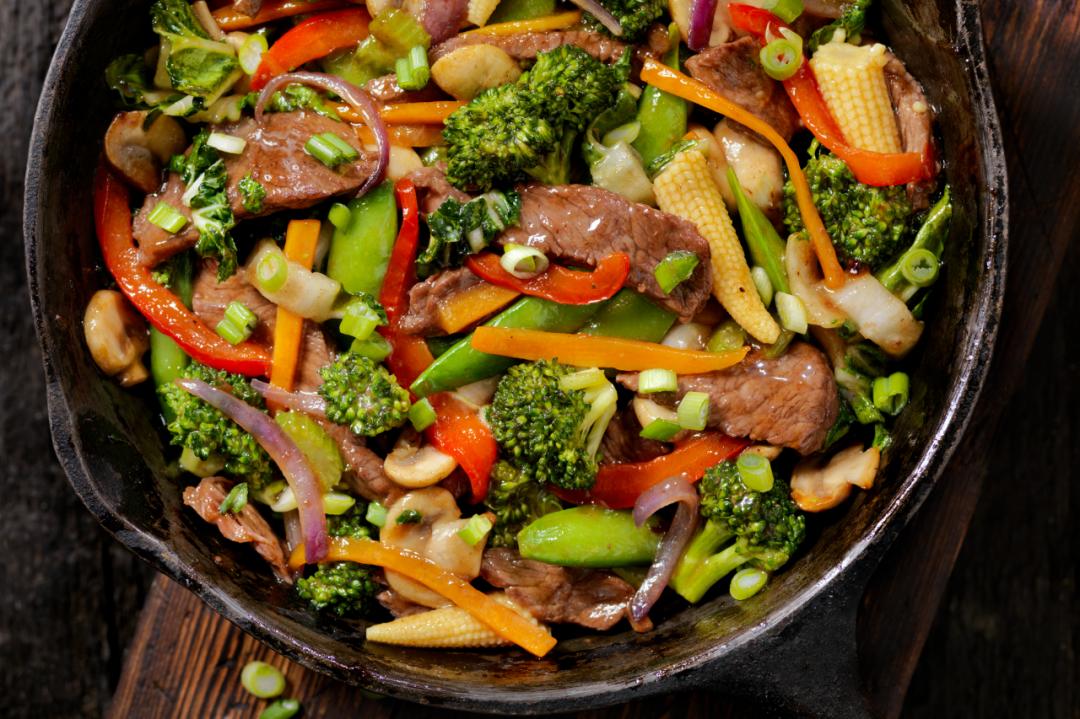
{"x":475,"y":318}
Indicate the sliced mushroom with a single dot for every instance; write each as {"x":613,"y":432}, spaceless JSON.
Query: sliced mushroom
{"x":414,"y":466}
{"x":469,"y":70}
{"x":117,"y":337}
{"x":816,"y":487}
{"x":434,"y":536}
{"x":139,"y":153}
{"x":759,"y":167}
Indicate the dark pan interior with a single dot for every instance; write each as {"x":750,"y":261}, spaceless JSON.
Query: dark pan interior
{"x":107,"y":439}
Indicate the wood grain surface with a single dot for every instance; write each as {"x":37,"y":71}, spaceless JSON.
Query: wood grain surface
{"x":1002,"y":643}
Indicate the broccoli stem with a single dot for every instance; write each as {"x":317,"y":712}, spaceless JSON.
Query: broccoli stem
{"x":701,"y":566}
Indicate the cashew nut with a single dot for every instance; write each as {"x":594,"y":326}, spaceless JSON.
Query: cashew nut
{"x":816,"y":488}
{"x":469,"y":70}
{"x":117,"y":338}
{"x":139,"y":153}
{"x":415,"y":466}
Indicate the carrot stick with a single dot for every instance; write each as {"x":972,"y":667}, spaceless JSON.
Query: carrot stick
{"x":502,"y":620}
{"x":301,"y":238}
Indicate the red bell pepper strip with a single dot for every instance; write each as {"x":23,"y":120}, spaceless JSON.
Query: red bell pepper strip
{"x":878,"y":169}
{"x":558,"y":284}
{"x":311,"y":39}
{"x":459,"y":432}
{"x":619,"y":485}
{"x":163,"y":309}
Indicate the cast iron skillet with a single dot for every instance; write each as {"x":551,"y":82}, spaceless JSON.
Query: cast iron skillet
{"x":793,"y":645}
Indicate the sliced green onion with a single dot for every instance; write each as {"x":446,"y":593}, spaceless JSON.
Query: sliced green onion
{"x":235,"y":500}
{"x":651,"y":381}
{"x":623,"y":133}
{"x":422,"y":414}
{"x":675,"y":269}
{"x":745,"y":583}
{"x":374,"y":347}
{"x":475,"y":529}
{"x":262,"y":680}
{"x":335,"y":503}
{"x":891,"y":393}
{"x":786,"y":10}
{"x":230,"y":144}
{"x":167,"y":218}
{"x":583,"y":379}
{"x":181,"y":108}
{"x":523,"y":262}
{"x":339,"y":215}
{"x":755,"y":471}
{"x":347,"y":151}
{"x":919,"y":267}
{"x":413,"y":72}
{"x":693,"y":411}
{"x":233,"y":333}
{"x":323,"y":151}
{"x":781,"y":59}
{"x":729,"y":335}
{"x":661,"y":429}
{"x":882,"y":438}
{"x":281,"y":709}
{"x":360,"y":321}
{"x":792,"y":312}
{"x":760,"y":276}
{"x":376,"y":514}
{"x":285,"y":502}
{"x":271,"y":272}
{"x":251,"y":52}
{"x":240,"y":315}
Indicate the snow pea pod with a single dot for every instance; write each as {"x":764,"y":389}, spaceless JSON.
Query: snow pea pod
{"x":662,"y":116}
{"x":590,"y":536}
{"x":167,"y":360}
{"x":362,"y":242}
{"x":766,"y":247}
{"x":461,"y":364}
{"x":630,"y":316}
{"x":931,"y":236}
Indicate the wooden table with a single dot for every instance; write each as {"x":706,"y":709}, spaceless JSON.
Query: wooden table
{"x":70,"y":593}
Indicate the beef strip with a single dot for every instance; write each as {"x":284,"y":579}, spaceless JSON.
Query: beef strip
{"x":248,"y":7}
{"x":274,"y":156}
{"x":580,"y":224}
{"x":734,"y":70}
{"x":433,"y":189}
{"x":385,"y":89}
{"x":246,"y":526}
{"x":526,"y":46}
{"x":623,"y":442}
{"x":588,"y":597}
{"x":363,"y":468}
{"x":790,"y":401}
{"x":915,"y":119}
{"x":426,"y":296}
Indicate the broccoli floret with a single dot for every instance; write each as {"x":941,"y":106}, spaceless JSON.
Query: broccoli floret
{"x":633,"y":15}
{"x":867,"y":224}
{"x":344,"y":588}
{"x":211,"y":213}
{"x":743,"y":526}
{"x":852,"y":22}
{"x":208,"y":433}
{"x":547,"y":431}
{"x":862,"y":362}
{"x":195,"y":64}
{"x":510,"y":130}
{"x":363,"y":395}
{"x":352,"y":524}
{"x":516,"y":501}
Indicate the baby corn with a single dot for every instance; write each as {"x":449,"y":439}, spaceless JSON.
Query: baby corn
{"x":480,"y":10}
{"x":686,"y":188}
{"x":446,"y":628}
{"x":852,"y":81}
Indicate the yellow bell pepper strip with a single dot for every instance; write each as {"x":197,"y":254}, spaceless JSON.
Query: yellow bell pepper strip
{"x":561,"y":21}
{"x":502,"y":620}
{"x":676,"y":83}
{"x":229,"y":18}
{"x":162,"y":308}
{"x":590,"y":351}
{"x":301,"y":238}
{"x":471,"y":306}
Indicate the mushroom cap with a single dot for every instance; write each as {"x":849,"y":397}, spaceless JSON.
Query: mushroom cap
{"x":139,"y":152}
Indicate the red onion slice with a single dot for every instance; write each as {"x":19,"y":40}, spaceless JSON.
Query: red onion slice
{"x":284,"y":452}
{"x":307,"y":402}
{"x":701,"y":20}
{"x":349,"y":93}
{"x":670,"y":491}
{"x":597,"y":11}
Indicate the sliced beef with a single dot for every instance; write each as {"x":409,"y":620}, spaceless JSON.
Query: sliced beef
{"x":274,"y":156}
{"x":248,"y":7}
{"x":363,"y":468}
{"x":386,"y":89}
{"x":526,"y":46}
{"x":580,"y":225}
{"x":790,"y":401}
{"x":588,"y":597}
{"x":246,"y":526}
{"x":433,"y":189}
{"x":623,"y":442}
{"x":441,"y":18}
{"x":426,"y":296}
{"x":734,"y":70}
{"x":915,"y":119}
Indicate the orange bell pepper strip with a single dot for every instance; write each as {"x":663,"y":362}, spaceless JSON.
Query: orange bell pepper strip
{"x":676,"y":83}
{"x":434,"y":112}
{"x":229,"y":18}
{"x":459,"y":432}
{"x":301,"y":239}
{"x":162,"y":308}
{"x":619,"y":485}
{"x":501,"y":619}
{"x":404,"y":135}
{"x":593,"y":351}
{"x":558,"y":284}
{"x":472,"y":305}
{"x":559,"y":21}
{"x":313,"y":38}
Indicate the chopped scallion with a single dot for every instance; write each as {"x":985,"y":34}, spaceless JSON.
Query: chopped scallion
{"x":523,"y":262}
{"x":651,"y":381}
{"x":747,"y":582}
{"x":693,"y":411}
{"x":272,"y":272}
{"x":323,"y":151}
{"x":792,"y":313}
{"x":167,"y":218}
{"x":675,"y":269}
{"x":251,"y":52}
{"x":281,"y":709}
{"x":339,"y":215}
{"x":262,"y":680}
{"x":360,"y":321}
{"x":661,"y":430}
{"x":347,"y":152}
{"x":241,"y":316}
{"x":891,"y":393}
{"x":235,"y":500}
{"x":781,"y":58}
{"x":337,"y":503}
{"x":376,"y":514}
{"x":422,"y":414}
{"x":786,"y":10}
{"x":755,"y":471}
{"x":919,"y":267}
{"x":760,"y":276}
{"x":230,"y":144}
{"x":413,"y":72}
{"x":375,"y":347}
{"x":232,"y":332}
{"x":583,"y":379}
{"x":475,"y":529}
{"x":285,"y":502}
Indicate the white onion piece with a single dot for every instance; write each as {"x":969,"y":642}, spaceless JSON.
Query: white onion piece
{"x":881,"y":316}
{"x":294,"y":465}
{"x":670,"y":491}
{"x":307,"y":402}
{"x":351,"y":94}
{"x":805,"y":280}
{"x":603,"y":16}
{"x":690,"y":336}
